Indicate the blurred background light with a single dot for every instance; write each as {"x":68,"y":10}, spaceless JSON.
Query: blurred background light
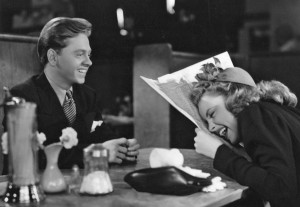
{"x":120,"y":17}
{"x":170,"y":6}
{"x":123,"y":32}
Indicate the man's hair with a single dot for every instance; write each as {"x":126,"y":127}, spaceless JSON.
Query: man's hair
{"x":57,"y":31}
{"x":238,"y":96}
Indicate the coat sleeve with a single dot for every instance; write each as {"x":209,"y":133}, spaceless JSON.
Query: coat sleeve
{"x":267,"y":140}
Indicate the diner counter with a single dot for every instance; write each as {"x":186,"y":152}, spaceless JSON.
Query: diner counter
{"x":125,"y":195}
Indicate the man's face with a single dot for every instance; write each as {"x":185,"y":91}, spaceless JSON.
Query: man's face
{"x":73,"y":61}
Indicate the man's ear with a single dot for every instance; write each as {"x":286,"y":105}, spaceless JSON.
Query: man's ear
{"x":52,"y":56}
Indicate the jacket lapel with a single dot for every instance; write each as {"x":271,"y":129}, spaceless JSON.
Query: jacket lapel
{"x":49,"y":101}
{"x":50,"y":105}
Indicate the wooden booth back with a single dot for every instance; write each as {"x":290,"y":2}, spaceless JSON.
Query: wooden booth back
{"x":18,"y":61}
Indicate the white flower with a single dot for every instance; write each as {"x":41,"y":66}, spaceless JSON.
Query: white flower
{"x":41,"y":138}
{"x":4,"y":143}
{"x":69,"y":137}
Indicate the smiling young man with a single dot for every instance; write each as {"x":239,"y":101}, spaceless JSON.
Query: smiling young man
{"x":64,"y":51}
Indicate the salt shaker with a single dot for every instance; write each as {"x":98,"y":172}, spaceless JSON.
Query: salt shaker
{"x":96,"y":179}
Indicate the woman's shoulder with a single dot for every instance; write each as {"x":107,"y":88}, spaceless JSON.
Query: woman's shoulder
{"x":268,"y":108}
{"x":268,"y":105}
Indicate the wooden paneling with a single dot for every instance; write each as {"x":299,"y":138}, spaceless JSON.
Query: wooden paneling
{"x":18,"y":62}
{"x":151,"y":122}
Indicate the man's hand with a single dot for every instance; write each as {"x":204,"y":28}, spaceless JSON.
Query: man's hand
{"x":132,"y":150}
{"x":117,"y":149}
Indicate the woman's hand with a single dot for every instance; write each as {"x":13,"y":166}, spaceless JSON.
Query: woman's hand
{"x":117,"y":149}
{"x":206,"y":144}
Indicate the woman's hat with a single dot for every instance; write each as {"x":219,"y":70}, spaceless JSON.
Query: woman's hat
{"x":236,"y":75}
{"x":212,"y":72}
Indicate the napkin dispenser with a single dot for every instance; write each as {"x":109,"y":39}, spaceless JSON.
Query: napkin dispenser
{"x":168,"y":180}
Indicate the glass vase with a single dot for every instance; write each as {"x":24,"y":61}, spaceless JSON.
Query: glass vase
{"x":52,"y":179}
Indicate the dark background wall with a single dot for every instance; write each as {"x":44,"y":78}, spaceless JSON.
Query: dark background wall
{"x":208,"y":26}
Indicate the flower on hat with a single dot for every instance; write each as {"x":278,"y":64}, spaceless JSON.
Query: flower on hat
{"x":210,"y":71}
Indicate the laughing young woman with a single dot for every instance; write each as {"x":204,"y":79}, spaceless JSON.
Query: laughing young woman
{"x":263,"y":119}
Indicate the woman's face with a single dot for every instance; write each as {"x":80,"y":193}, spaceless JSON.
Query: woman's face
{"x":218,"y":119}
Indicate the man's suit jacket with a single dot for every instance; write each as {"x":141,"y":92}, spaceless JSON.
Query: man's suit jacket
{"x":51,"y":118}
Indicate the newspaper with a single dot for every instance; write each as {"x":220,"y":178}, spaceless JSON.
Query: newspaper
{"x":176,"y":87}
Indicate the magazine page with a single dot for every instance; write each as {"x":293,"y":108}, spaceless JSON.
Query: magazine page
{"x":176,"y":87}
{"x":190,"y":72}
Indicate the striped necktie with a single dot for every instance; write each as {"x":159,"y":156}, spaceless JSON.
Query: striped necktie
{"x":69,"y":107}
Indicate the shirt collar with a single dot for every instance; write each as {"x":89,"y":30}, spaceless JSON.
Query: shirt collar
{"x":60,"y":92}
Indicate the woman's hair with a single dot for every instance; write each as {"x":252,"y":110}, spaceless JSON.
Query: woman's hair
{"x":238,"y":96}
{"x":57,"y":31}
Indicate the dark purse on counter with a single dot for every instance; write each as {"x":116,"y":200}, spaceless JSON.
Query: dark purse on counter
{"x":165,"y":180}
